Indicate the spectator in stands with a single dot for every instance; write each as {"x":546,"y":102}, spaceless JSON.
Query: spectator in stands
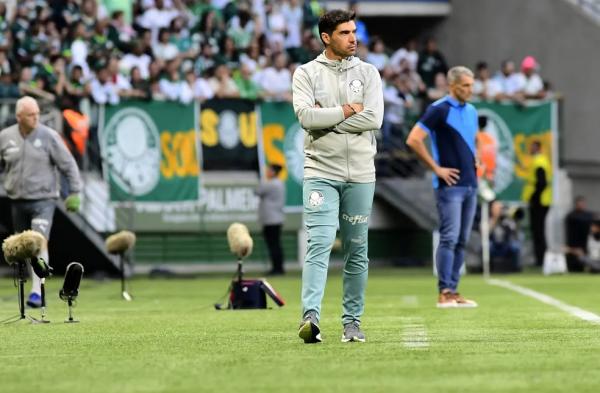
{"x":439,"y":88}
{"x":119,"y":32}
{"x":276,"y":81}
{"x":409,"y":53}
{"x":32,"y":151}
{"x":431,"y":62}
{"x":188,"y":48}
{"x":416,"y":85}
{"x":103,"y":90}
{"x":506,"y":82}
{"x":76,"y":89}
{"x":293,"y":14}
{"x":484,"y":88}
{"x":241,"y":29}
{"x":79,"y":47}
{"x":538,"y":193}
{"x":140,"y":86}
{"x":276,"y":24}
{"x":228,"y":54}
{"x":271,"y":216}
{"x":206,"y":60}
{"x":530,"y":83}
{"x":577,"y":226}
{"x":211,"y":28}
{"x":377,"y":55}
{"x":171,"y":85}
{"x":505,"y":244}
{"x":248,"y":88}
{"x":592,"y":259}
{"x":201,"y":89}
{"x":222,"y":84}
{"x":253,"y":58}
{"x":164,"y":49}
{"x":397,"y":101}
{"x":137,"y":58}
{"x":157,"y":17}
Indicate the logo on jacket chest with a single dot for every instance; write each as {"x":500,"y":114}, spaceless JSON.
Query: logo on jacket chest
{"x":356,"y":86}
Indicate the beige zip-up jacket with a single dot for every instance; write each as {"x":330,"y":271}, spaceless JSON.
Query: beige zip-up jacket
{"x":336,"y":148}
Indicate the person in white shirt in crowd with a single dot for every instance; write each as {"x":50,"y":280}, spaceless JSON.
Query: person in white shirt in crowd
{"x":409,"y":53}
{"x":158,"y":16}
{"x":377,"y":55}
{"x":222,"y":84}
{"x":531,"y":85}
{"x":242,"y":28}
{"x":484,"y":87}
{"x":79,"y":47}
{"x":173,"y":87}
{"x":137,"y":58}
{"x":200,"y":87}
{"x":253,"y":58}
{"x":293,"y":14}
{"x":507,"y":82}
{"x":104,"y":91}
{"x":276,"y":81}
{"x":164,"y":49}
{"x":276,"y":27}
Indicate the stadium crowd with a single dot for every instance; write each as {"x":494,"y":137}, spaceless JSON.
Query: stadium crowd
{"x":67,"y":51}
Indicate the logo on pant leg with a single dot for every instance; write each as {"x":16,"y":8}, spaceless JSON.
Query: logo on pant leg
{"x":316,"y":198}
{"x":357,"y":219}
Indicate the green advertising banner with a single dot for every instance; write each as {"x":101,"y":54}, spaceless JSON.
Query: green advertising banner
{"x":228,"y":135}
{"x":150,"y":152}
{"x":282,"y":143}
{"x":514,"y":127}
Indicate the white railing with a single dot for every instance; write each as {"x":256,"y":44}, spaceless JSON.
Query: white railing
{"x":590,"y":7}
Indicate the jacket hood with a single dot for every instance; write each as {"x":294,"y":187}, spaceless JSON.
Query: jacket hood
{"x":338,"y":65}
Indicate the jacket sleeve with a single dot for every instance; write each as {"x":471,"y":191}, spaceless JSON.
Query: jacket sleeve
{"x":371,"y":116}
{"x":64,"y":161}
{"x":312,"y":118}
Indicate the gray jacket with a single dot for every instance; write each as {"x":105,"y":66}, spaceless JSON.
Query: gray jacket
{"x":30,"y":164}
{"x":272,"y":201}
{"x":336,"y":148}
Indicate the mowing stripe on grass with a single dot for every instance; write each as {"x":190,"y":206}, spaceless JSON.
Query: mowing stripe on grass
{"x":414,"y":334}
{"x":575,"y":311}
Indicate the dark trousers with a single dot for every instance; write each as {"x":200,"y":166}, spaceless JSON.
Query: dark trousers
{"x":272,"y":235}
{"x":537,"y":221}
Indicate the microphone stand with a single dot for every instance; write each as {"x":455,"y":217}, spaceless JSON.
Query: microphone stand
{"x":21,"y":276}
{"x":124,"y":291}
{"x":43,"y":296}
{"x":240,"y":272}
{"x":70,"y":304}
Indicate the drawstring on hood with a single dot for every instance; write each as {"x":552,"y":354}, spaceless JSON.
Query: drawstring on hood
{"x":338,"y":65}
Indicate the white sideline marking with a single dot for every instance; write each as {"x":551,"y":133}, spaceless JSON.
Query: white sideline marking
{"x":575,"y":311}
{"x":414,"y":334}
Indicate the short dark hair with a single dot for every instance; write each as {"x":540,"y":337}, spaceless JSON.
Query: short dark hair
{"x":276,"y":168}
{"x":331,"y":19}
{"x":482,"y":121}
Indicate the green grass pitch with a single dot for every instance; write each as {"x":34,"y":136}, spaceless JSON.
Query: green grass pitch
{"x":170,"y":339}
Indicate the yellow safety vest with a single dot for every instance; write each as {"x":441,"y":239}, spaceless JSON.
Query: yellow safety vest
{"x":539,"y":161}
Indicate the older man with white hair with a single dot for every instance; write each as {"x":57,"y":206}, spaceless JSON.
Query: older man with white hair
{"x":452,"y":124}
{"x":31,"y":155}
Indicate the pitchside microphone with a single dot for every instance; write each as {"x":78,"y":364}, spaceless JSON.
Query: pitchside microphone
{"x":119,"y":244}
{"x":240,"y":242}
{"x":25,"y":247}
{"x":70,"y":288}
{"x":20,"y":249}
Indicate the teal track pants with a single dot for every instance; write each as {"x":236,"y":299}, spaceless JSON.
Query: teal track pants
{"x":327,"y":203}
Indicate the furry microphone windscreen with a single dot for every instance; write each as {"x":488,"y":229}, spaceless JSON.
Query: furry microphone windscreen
{"x":120,"y":242}
{"x":22,"y":246}
{"x":240,"y":242}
